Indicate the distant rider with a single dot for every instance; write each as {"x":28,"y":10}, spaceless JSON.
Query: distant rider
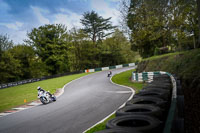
{"x":110,"y":73}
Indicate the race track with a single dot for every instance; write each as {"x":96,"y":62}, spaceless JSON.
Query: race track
{"x":84,"y":102}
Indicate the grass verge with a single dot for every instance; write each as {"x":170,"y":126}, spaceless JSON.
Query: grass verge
{"x":14,"y":96}
{"x":122,"y":79}
{"x":161,"y":56}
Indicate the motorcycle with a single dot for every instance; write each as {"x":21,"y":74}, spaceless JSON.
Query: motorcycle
{"x":46,"y":97}
{"x":109,"y":74}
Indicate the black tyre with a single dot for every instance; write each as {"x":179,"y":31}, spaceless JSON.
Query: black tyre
{"x":142,"y":123}
{"x":148,"y":100}
{"x":161,"y":77}
{"x":162,"y":81}
{"x":155,"y":89}
{"x":118,"y":130}
{"x":160,"y":94}
{"x":44,"y":100}
{"x":160,"y":85}
{"x":140,"y":109}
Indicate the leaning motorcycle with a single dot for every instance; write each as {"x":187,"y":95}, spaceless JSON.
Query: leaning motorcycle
{"x":46,"y":97}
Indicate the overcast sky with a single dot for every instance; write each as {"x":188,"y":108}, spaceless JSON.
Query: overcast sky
{"x":17,"y":17}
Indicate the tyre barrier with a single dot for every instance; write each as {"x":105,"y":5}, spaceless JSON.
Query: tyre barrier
{"x":154,"y":109}
{"x":149,"y":101}
{"x":167,"y":87}
{"x":159,"y":94}
{"x":118,"y":130}
{"x":142,"y":123}
{"x":140,"y":109}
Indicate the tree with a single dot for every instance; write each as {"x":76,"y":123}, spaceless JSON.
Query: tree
{"x":147,"y":21}
{"x":158,"y":25}
{"x":116,"y":50}
{"x":30,"y":65}
{"x":82,"y":54}
{"x":5,"y":43}
{"x":95,"y":26}
{"x":10,"y":69}
{"x":124,"y":10}
{"x":50,"y":44}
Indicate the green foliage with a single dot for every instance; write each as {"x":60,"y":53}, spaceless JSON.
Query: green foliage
{"x":51,"y":46}
{"x":162,"y":24}
{"x":10,"y":69}
{"x":5,"y":43}
{"x":116,"y":50}
{"x":95,"y":25}
{"x":82,"y":53}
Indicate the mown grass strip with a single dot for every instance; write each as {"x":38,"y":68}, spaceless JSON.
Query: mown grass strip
{"x":122,"y":79}
{"x":14,"y":96}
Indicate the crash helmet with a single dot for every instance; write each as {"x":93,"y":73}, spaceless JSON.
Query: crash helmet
{"x":38,"y":88}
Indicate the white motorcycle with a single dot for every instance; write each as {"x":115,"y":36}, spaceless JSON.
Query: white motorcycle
{"x":46,"y":97}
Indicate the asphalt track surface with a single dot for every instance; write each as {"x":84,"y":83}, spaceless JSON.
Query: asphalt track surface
{"x":85,"y":102}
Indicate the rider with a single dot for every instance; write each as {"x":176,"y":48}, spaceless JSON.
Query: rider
{"x":110,"y":73}
{"x":40,"y":90}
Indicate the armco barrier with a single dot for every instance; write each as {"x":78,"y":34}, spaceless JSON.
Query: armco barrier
{"x":6,"y":85}
{"x":110,"y":67}
{"x":148,"y":76}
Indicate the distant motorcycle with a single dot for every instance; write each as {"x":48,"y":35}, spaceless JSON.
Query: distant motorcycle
{"x":45,"y":96}
{"x":109,"y":74}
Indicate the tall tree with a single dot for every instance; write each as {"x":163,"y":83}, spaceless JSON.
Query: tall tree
{"x":95,"y":25}
{"x":50,"y":42}
{"x":5,"y":43}
{"x":146,"y":19}
{"x":10,"y":69}
{"x":116,"y":50}
{"x":31,"y":65}
{"x":82,"y":53}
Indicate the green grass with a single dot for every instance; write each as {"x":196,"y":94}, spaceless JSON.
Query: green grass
{"x":100,"y":126}
{"x":161,"y":56}
{"x":122,"y":79}
{"x":14,"y":96}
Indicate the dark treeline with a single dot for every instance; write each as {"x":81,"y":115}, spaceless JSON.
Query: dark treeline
{"x":52,"y":49}
{"x":158,"y":26}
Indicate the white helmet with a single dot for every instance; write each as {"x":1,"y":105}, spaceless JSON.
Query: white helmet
{"x":38,"y":88}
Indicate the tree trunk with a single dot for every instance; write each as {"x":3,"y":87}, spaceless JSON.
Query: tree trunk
{"x":198,"y":13}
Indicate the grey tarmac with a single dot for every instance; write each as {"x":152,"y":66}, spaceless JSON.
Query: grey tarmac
{"x":84,"y":102}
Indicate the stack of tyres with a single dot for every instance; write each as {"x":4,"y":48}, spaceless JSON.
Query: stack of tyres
{"x":146,"y":111}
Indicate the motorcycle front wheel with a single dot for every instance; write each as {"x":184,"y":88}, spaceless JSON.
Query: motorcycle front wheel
{"x":44,"y":100}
